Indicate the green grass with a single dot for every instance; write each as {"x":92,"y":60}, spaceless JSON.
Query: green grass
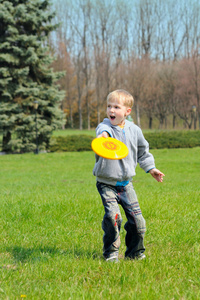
{"x":67,"y":132}
{"x":51,"y":236}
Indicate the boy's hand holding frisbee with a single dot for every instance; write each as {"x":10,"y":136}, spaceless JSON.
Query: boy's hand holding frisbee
{"x":108,"y":147}
{"x":103,"y":134}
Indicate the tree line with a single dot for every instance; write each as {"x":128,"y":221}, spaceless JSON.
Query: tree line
{"x":148,"y":47}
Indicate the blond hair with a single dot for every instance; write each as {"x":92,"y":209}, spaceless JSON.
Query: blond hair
{"x":121,"y":95}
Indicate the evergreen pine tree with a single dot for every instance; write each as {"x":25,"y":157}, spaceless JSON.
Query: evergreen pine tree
{"x":26,"y":76}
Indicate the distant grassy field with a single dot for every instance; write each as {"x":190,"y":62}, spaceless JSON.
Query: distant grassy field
{"x":51,"y":236}
{"x":74,"y":132}
{"x":92,"y":132}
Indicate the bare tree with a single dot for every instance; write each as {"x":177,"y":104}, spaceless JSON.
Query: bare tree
{"x":85,"y":7}
{"x":70,"y":33}
{"x":136,"y":80}
{"x":148,"y":103}
{"x":184,"y":95}
{"x":166,"y":104}
{"x":68,"y":82}
{"x":191,"y":26}
{"x":101,"y":35}
{"x":177,"y":33}
{"x":145,"y":24}
{"x":116,"y":44}
{"x":194,"y":75}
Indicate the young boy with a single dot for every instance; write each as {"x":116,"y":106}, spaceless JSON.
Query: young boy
{"x":114,"y":179}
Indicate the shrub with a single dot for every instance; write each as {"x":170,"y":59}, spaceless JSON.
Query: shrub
{"x":157,"y":140}
{"x":173,"y":139}
{"x":71,"y":143}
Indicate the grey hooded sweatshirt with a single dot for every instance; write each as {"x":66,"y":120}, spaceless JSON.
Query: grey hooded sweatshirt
{"x":115,"y":172}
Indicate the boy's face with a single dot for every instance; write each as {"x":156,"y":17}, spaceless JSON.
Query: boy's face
{"x":117,"y":112}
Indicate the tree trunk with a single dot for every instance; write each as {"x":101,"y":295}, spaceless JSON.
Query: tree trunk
{"x":165,"y":118}
{"x":88,"y":111}
{"x":71,"y":118}
{"x":6,"y":140}
{"x":198,"y":117}
{"x":195,"y":122}
{"x":138,"y":114}
{"x":174,"y":121}
{"x":150,"y":122}
{"x":80,"y":117}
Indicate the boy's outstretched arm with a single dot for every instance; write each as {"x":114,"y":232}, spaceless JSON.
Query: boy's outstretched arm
{"x":157,"y":174}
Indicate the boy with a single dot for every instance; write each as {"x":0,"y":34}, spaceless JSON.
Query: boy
{"x":114,"y":179}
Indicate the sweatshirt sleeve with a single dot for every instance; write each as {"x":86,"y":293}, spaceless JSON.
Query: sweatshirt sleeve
{"x":145,"y":158}
{"x":103,"y":127}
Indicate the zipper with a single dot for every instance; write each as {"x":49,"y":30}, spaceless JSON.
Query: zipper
{"x":124,"y":135}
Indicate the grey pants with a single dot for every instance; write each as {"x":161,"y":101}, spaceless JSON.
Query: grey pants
{"x":135,"y":226}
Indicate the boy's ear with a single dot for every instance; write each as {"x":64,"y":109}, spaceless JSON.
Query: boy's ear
{"x":128,"y":111}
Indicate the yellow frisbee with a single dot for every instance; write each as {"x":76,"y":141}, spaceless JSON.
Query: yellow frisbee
{"x":109,"y":148}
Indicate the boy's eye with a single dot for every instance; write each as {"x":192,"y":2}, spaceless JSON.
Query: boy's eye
{"x":116,"y":107}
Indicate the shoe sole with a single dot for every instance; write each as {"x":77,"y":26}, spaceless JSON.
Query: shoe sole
{"x":139,"y":257}
{"x":112,"y":259}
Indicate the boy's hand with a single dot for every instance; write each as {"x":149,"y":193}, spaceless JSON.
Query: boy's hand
{"x":103,"y":134}
{"x":157,"y":174}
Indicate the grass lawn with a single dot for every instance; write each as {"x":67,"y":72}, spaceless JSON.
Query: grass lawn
{"x":66,"y":132}
{"x":51,"y":236}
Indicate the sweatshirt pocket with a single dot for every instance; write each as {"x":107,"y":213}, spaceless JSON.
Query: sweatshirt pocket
{"x":107,"y":168}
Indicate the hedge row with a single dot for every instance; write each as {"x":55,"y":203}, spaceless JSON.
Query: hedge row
{"x":71,"y":143}
{"x":157,"y":140}
{"x":173,"y":139}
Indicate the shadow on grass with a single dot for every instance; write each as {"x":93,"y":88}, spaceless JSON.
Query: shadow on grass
{"x":35,"y":254}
